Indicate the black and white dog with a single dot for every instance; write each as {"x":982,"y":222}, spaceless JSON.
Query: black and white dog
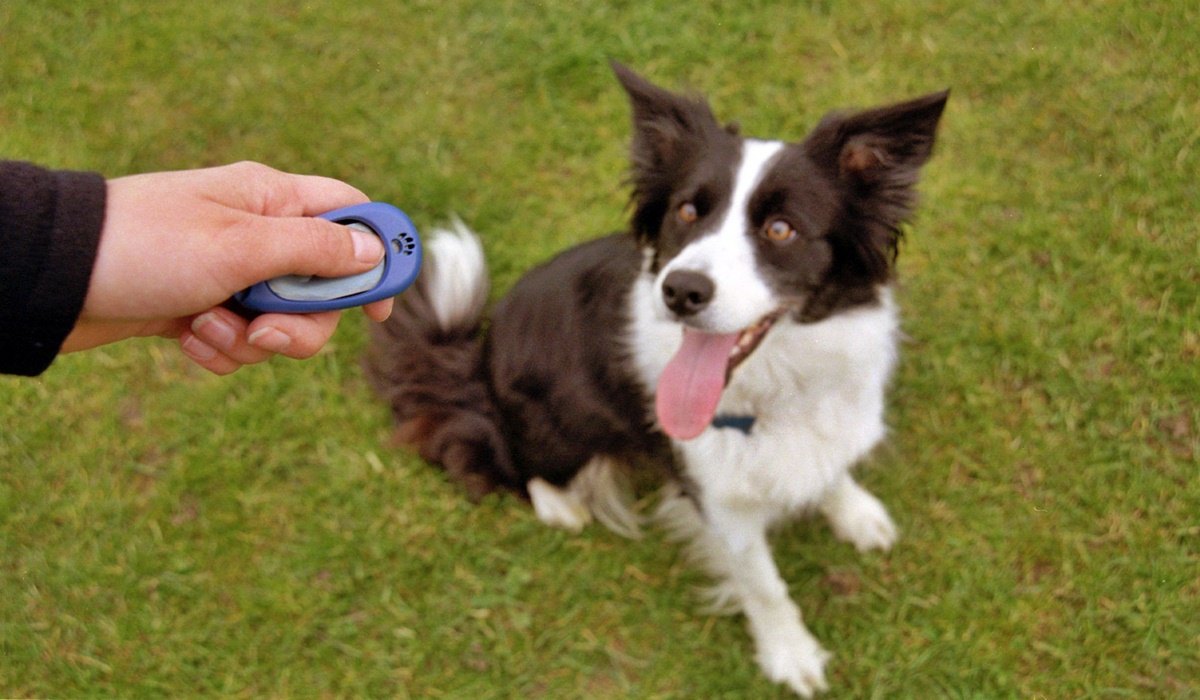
{"x":743,"y":331}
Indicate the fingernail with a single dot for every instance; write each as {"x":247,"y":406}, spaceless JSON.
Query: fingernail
{"x":269,"y":339}
{"x":214,"y":331}
{"x":197,"y":349}
{"x":367,"y":246}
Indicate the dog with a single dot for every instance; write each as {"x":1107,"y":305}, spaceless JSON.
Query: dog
{"x":742,"y":332}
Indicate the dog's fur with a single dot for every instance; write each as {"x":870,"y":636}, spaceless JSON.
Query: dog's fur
{"x":573,"y":381}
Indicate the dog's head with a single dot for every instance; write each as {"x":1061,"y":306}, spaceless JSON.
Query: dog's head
{"x":741,"y":232}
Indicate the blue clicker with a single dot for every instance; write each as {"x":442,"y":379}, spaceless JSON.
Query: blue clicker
{"x":401,"y":263}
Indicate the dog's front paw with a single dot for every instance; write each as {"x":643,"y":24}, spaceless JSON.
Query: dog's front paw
{"x":872,"y":529}
{"x":797,"y":661}
{"x":861,"y":519}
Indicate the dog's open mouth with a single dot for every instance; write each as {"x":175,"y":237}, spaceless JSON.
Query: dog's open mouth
{"x":690,"y":387}
{"x":748,"y":341}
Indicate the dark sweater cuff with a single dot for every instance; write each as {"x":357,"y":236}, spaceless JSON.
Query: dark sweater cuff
{"x":50,"y":224}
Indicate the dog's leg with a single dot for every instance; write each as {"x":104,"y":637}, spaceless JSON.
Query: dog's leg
{"x":558,"y":507}
{"x":787,"y":651}
{"x":858,"y":517}
{"x":598,"y":491}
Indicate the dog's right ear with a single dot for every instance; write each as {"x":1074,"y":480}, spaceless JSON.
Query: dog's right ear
{"x":667,"y":130}
{"x":663,"y":122}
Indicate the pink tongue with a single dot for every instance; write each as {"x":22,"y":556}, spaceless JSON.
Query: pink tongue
{"x":690,"y":387}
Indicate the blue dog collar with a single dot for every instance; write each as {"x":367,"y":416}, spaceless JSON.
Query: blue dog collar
{"x":742,"y":423}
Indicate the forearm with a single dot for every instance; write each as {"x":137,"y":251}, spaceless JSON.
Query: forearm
{"x":50,"y":224}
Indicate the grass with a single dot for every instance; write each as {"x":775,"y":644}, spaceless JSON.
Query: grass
{"x":166,"y":532}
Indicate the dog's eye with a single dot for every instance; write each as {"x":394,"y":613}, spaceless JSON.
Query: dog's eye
{"x":779,"y":231}
{"x":688,"y":213}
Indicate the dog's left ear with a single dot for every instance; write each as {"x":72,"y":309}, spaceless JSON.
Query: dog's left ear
{"x":881,"y":148}
{"x":876,"y":155}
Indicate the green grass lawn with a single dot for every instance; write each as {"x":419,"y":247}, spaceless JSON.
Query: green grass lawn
{"x":167,"y":533}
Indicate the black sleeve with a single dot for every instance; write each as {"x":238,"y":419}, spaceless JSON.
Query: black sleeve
{"x":50,"y":224}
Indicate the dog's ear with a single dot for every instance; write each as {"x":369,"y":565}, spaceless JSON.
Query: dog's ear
{"x":882,"y":149}
{"x":668,"y":130}
{"x":876,"y":157}
{"x":663,"y":122}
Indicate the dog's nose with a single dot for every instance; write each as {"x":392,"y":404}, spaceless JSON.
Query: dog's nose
{"x":687,"y":292}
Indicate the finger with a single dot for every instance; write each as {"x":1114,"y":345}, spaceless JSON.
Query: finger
{"x":318,"y":195}
{"x":225,"y":332}
{"x":269,"y":192}
{"x":207,"y":356}
{"x":298,"y":336}
{"x":379,"y":310}
{"x":302,"y":246}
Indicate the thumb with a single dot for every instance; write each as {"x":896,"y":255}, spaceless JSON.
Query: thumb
{"x":309,"y":246}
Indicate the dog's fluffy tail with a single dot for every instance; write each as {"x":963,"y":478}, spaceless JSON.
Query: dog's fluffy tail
{"x":426,"y":361}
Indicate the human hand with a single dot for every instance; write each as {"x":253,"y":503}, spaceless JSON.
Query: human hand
{"x":177,"y":245}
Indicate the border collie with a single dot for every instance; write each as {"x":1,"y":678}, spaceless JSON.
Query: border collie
{"x":743,"y":332}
